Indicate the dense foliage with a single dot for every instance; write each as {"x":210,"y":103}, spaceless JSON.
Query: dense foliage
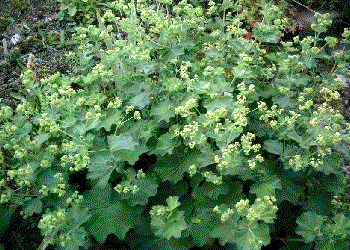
{"x":183,"y":123}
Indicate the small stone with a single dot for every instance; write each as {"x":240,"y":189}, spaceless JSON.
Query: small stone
{"x":16,"y":39}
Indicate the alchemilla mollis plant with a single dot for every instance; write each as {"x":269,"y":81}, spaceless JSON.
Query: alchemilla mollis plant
{"x":217,"y":110}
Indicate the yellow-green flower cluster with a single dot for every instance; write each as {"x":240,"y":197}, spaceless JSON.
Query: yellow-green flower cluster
{"x":22,"y":174}
{"x":56,"y":188}
{"x":331,"y":132}
{"x":331,"y":41}
{"x":129,"y":109}
{"x":20,"y":152}
{"x":94,"y":113}
{"x":27,"y":79}
{"x":239,"y":114}
{"x":165,"y":211}
{"x":79,"y":161}
{"x":269,"y":114}
{"x":262,"y":209}
{"x":212,"y":9}
{"x":315,"y":163}
{"x":210,"y":72}
{"x":240,"y":119}
{"x":64,"y":238}
{"x":227,"y":153}
{"x":346,"y":33}
{"x":268,"y":72}
{"x":6,"y":195}
{"x":67,"y":146}
{"x":196,"y":220}
{"x":137,"y":115}
{"x":115,"y":104}
{"x":291,"y":120}
{"x":49,"y":156}
{"x":167,"y":2}
{"x":159,"y":210}
{"x":75,"y":198}
{"x":6,"y":112}
{"x":67,"y":91}
{"x":55,"y":100}
{"x":126,"y":187}
{"x":297,"y":162}
{"x":252,"y":162}
{"x":290,"y":64}
{"x":187,"y":9}
{"x":184,"y":68}
{"x":234,"y":28}
{"x":25,"y":108}
{"x":245,"y":57}
{"x":338,"y":229}
{"x":47,"y":124}
{"x":217,"y":114}
{"x":7,"y":130}
{"x":140,"y":174}
{"x":51,"y":221}
{"x":323,"y":22}
{"x":329,"y":95}
{"x":192,"y":170}
{"x":246,"y":142}
{"x":225,"y":215}
{"x":100,"y":70}
{"x":301,"y":99}
{"x":190,"y":131}
{"x":184,"y":111}
{"x":213,"y":178}
{"x":340,"y":204}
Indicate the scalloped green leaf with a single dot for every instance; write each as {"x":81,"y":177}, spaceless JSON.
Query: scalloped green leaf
{"x":113,"y":116}
{"x":101,"y":167}
{"x":273,"y":146}
{"x":219,"y":102}
{"x":77,"y":216}
{"x":173,"y":202}
{"x":141,"y":100}
{"x":332,"y":245}
{"x":245,"y":235}
{"x":225,"y":232}
{"x":309,"y":224}
{"x":201,"y":226}
{"x":151,"y":242}
{"x":342,"y":223}
{"x":122,"y":141}
{"x":319,"y":202}
{"x":330,"y":165}
{"x":109,"y":214}
{"x":210,"y":195}
{"x":147,"y":188}
{"x":162,"y":110}
{"x":171,"y":227}
{"x":266,"y":33}
{"x":290,"y":191}
{"x":33,"y":206}
{"x":172,"y":167}
{"x":165,"y":145}
{"x":131,"y":156}
{"x":267,"y":187}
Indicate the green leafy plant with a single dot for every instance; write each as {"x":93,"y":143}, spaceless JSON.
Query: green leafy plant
{"x":80,"y":11}
{"x":214,"y":110}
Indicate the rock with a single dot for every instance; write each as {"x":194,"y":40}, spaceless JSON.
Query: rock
{"x":306,"y":18}
{"x":16,"y":39}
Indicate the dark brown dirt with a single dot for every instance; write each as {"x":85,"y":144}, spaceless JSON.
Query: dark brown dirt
{"x":34,"y":22}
